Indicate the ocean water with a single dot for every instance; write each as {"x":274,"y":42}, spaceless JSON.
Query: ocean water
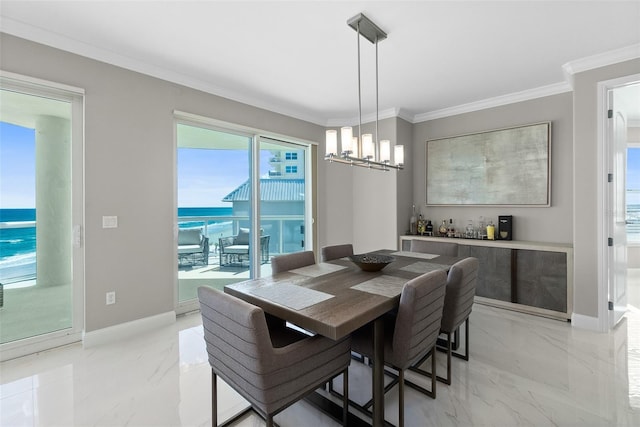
{"x":17,"y":244}
{"x":18,"y":237}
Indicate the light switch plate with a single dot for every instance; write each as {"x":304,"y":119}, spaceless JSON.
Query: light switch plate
{"x":109,"y":222}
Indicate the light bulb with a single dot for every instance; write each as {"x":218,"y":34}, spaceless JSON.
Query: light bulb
{"x":368,"y":151}
{"x":385,"y":151}
{"x":346,"y":137}
{"x":398,"y":154}
{"x":331,"y":143}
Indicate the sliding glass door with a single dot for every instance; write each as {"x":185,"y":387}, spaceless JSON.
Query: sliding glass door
{"x":240,"y":201}
{"x":41,"y":258}
{"x":283,"y":180}
{"x":213,"y":168}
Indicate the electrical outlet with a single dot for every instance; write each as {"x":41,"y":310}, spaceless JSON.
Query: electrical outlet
{"x":111,"y":298}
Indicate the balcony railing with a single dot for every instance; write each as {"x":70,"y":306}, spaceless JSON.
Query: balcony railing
{"x":283,"y":229}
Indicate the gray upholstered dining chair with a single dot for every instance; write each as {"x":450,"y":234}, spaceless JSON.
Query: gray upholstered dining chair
{"x":270,"y":367}
{"x":336,"y":251}
{"x":458,"y":302}
{"x":411,"y":334}
{"x":436,"y":248}
{"x":292,"y":261}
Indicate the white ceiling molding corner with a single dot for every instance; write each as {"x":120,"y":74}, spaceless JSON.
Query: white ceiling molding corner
{"x":404,"y":115}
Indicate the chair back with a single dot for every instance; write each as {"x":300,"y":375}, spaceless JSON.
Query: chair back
{"x":461,"y":288}
{"x":292,"y":261}
{"x":336,"y":251}
{"x":237,"y":340}
{"x":436,"y":248}
{"x":419,"y":316}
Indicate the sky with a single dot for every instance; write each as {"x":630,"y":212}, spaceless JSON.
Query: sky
{"x":17,"y":167}
{"x":204,"y":176}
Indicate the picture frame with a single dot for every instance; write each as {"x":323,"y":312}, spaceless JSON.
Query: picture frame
{"x":502,"y":167}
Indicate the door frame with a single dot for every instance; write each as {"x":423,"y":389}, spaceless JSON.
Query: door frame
{"x":605,"y":154}
{"x":76,"y":96}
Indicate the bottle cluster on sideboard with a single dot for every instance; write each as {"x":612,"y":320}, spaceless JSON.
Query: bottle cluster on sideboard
{"x":480,"y":229}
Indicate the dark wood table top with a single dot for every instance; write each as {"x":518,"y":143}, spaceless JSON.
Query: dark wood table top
{"x":334,"y":299}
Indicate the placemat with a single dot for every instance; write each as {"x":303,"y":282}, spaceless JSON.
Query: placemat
{"x":388,"y":286}
{"x":423,"y":267}
{"x":292,"y":296}
{"x":415,"y":254}
{"x":317,"y":270}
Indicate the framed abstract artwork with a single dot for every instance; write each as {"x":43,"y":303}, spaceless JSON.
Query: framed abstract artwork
{"x":504,"y":167}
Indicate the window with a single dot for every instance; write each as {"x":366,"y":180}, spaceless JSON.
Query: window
{"x":633,"y":194}
{"x":291,"y":156}
{"x":291,"y":169}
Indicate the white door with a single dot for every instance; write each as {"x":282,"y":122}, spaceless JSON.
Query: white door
{"x":617,"y":135}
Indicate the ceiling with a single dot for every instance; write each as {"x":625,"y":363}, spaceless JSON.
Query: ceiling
{"x":299,"y":57}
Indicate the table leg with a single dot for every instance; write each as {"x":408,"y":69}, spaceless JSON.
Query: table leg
{"x":378,"y":372}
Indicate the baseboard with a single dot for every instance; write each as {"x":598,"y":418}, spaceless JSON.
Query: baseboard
{"x":585,"y":322}
{"x":127,"y":329}
{"x":37,"y":344}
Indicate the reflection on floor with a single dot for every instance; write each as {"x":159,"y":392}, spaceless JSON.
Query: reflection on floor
{"x":524,"y":370}
{"x":633,"y":287}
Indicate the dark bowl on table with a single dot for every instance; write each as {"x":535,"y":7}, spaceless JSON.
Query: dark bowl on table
{"x":371,"y":262}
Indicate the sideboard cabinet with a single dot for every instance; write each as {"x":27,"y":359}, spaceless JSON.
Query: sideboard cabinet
{"x":531,"y":277}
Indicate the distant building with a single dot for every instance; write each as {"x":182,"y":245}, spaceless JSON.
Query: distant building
{"x":282,"y":195}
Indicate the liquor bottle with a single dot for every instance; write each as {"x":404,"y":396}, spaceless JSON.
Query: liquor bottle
{"x":443,"y":228}
{"x":421,"y":227}
{"x":451,"y":231}
{"x":412,"y":222}
{"x":491,"y":231}
{"x":429,"y":228}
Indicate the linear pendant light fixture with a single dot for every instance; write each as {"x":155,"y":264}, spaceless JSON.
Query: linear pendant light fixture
{"x":362,"y":151}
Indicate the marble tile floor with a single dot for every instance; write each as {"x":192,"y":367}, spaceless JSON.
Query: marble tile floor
{"x":524,"y":370}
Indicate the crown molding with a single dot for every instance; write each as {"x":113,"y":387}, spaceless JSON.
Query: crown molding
{"x":497,"y":101}
{"x":601,"y":60}
{"x":58,"y":41}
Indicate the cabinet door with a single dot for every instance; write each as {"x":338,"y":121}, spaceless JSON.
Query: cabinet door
{"x":542,"y":279}
{"x":494,"y":272}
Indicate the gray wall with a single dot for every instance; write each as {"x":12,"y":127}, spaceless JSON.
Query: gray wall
{"x":405,"y":179}
{"x":129,"y":164}
{"x":542,"y":224}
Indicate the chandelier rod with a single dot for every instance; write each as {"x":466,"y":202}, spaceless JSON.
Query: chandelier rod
{"x":359,"y":145}
{"x":377,"y":140}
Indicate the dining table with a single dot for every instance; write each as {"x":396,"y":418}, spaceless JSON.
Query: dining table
{"x":336,"y":298}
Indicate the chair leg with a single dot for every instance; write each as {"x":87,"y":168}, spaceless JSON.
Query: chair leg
{"x":214,"y":399}
{"x":434,"y":375}
{"x":401,"y":398}
{"x":345,"y":397}
{"x":447,"y":380}
{"x":465,"y":356}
